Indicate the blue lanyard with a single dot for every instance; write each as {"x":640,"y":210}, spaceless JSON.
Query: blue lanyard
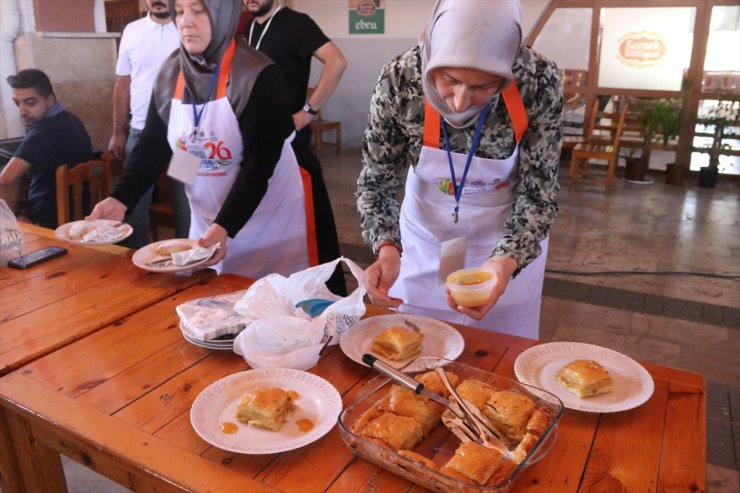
{"x":458,"y":189}
{"x":198,"y":114}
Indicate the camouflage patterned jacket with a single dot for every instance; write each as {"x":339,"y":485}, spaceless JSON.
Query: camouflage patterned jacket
{"x":393,"y":140}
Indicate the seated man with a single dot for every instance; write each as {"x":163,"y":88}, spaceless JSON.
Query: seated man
{"x":54,"y":137}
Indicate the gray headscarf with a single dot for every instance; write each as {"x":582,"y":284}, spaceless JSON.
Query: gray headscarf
{"x":480,"y":34}
{"x":198,"y":70}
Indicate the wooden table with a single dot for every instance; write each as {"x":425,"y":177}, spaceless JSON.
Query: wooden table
{"x":118,"y":402}
{"x":64,"y":299}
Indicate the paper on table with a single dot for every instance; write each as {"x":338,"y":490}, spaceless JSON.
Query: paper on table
{"x":102,"y":233}
{"x":194,"y":254}
{"x":210,"y":317}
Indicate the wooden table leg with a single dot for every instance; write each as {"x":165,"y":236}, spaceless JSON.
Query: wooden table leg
{"x":11,"y":480}
{"x":40,"y":466}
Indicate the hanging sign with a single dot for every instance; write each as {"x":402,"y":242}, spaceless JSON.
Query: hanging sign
{"x":366,"y":16}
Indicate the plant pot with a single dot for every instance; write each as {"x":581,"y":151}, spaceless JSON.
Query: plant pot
{"x":635,"y":169}
{"x":675,"y":173}
{"x":708,"y":177}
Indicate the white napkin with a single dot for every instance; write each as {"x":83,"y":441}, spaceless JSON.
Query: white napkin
{"x":102,"y":233}
{"x":210,"y":317}
{"x":194,"y":254}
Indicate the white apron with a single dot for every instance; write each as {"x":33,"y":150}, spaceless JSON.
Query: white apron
{"x":274,"y":239}
{"x":485,"y":204}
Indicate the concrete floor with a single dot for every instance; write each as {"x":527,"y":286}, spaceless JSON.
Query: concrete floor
{"x":684,"y":321}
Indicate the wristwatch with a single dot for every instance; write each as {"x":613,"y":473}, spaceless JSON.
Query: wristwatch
{"x":309,"y":109}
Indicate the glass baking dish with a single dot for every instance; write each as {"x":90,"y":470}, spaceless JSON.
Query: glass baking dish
{"x":440,"y":444}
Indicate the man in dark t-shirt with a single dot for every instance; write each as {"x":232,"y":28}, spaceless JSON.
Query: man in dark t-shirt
{"x":54,"y":137}
{"x":291,"y":39}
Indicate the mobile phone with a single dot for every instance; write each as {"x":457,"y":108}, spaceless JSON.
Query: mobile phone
{"x":36,"y":257}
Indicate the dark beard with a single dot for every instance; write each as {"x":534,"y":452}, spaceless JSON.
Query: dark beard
{"x":161,"y":15}
{"x":264,"y":9}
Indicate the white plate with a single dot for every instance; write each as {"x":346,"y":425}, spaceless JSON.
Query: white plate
{"x":222,"y":345}
{"x":440,"y":339}
{"x":148,"y":253}
{"x":633,"y":385}
{"x":62,"y":232}
{"x":317,"y":401}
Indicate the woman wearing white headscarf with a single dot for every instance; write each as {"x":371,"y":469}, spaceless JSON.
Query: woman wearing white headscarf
{"x":478,"y":117}
{"x":219,"y":115}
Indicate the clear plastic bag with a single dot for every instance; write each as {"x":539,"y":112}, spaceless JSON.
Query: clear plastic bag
{"x":282,"y":334}
{"x":11,"y":235}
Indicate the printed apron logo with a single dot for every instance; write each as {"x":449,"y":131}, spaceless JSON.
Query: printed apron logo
{"x":445,"y":186}
{"x":212,"y":151}
{"x":477,"y":186}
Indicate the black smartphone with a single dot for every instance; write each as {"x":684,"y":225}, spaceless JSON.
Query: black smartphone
{"x":36,"y":257}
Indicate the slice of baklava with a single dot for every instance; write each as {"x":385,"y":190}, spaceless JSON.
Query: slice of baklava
{"x":396,"y":432}
{"x":398,"y":343}
{"x":476,"y":392}
{"x":266,"y":407}
{"x":585,"y":378}
{"x":404,"y":402}
{"x":474,"y":461}
{"x":510,"y":411}
{"x":433,"y":383}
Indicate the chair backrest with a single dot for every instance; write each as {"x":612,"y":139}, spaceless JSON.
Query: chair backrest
{"x":79,"y":188}
{"x":605,"y":126}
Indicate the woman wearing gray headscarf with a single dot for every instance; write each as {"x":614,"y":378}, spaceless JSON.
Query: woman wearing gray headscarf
{"x":478,"y":117}
{"x":219,"y":115}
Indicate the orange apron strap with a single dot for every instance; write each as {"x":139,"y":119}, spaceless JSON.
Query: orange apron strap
{"x":223,"y":76}
{"x":517,"y":113}
{"x":431,"y":126}
{"x":311,"y":239}
{"x":179,"y":87}
{"x":514,"y":105}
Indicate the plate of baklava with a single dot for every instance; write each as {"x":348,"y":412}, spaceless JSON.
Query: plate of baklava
{"x":586,"y":377}
{"x":398,"y":339}
{"x":265,"y":410}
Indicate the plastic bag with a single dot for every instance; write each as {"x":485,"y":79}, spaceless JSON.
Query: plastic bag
{"x":11,"y":235}
{"x":284,"y":336}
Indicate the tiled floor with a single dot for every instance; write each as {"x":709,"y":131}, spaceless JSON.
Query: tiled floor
{"x":684,"y":321}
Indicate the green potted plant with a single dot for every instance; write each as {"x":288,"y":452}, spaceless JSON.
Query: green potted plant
{"x":662,"y":124}
{"x":723,"y":116}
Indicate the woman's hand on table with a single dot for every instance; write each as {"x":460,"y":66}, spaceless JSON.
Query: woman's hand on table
{"x":215,"y":234}
{"x":381,"y":275}
{"x":109,"y":208}
{"x":503,"y":267}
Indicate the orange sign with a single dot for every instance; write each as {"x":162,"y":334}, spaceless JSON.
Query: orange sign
{"x":643,"y":49}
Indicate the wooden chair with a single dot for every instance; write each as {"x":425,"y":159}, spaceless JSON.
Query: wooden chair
{"x":319,"y":126}
{"x":79,"y":188}
{"x":603,"y":133}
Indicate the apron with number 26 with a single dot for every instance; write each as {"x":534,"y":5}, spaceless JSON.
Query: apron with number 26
{"x":427,"y":228}
{"x":274,"y":239}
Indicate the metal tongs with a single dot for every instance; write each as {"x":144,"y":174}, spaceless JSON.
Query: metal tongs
{"x":468,"y":424}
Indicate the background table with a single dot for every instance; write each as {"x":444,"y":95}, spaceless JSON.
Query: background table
{"x":118,"y":401}
{"x":52,"y":304}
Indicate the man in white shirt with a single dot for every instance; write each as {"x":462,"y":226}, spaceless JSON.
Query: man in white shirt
{"x":145,"y":43}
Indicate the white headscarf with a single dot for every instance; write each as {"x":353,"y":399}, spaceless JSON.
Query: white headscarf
{"x":479,"y":34}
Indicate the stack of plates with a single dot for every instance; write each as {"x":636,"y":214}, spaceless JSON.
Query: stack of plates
{"x":224,"y":343}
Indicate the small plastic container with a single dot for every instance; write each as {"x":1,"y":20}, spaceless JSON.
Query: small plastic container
{"x":471,"y":287}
